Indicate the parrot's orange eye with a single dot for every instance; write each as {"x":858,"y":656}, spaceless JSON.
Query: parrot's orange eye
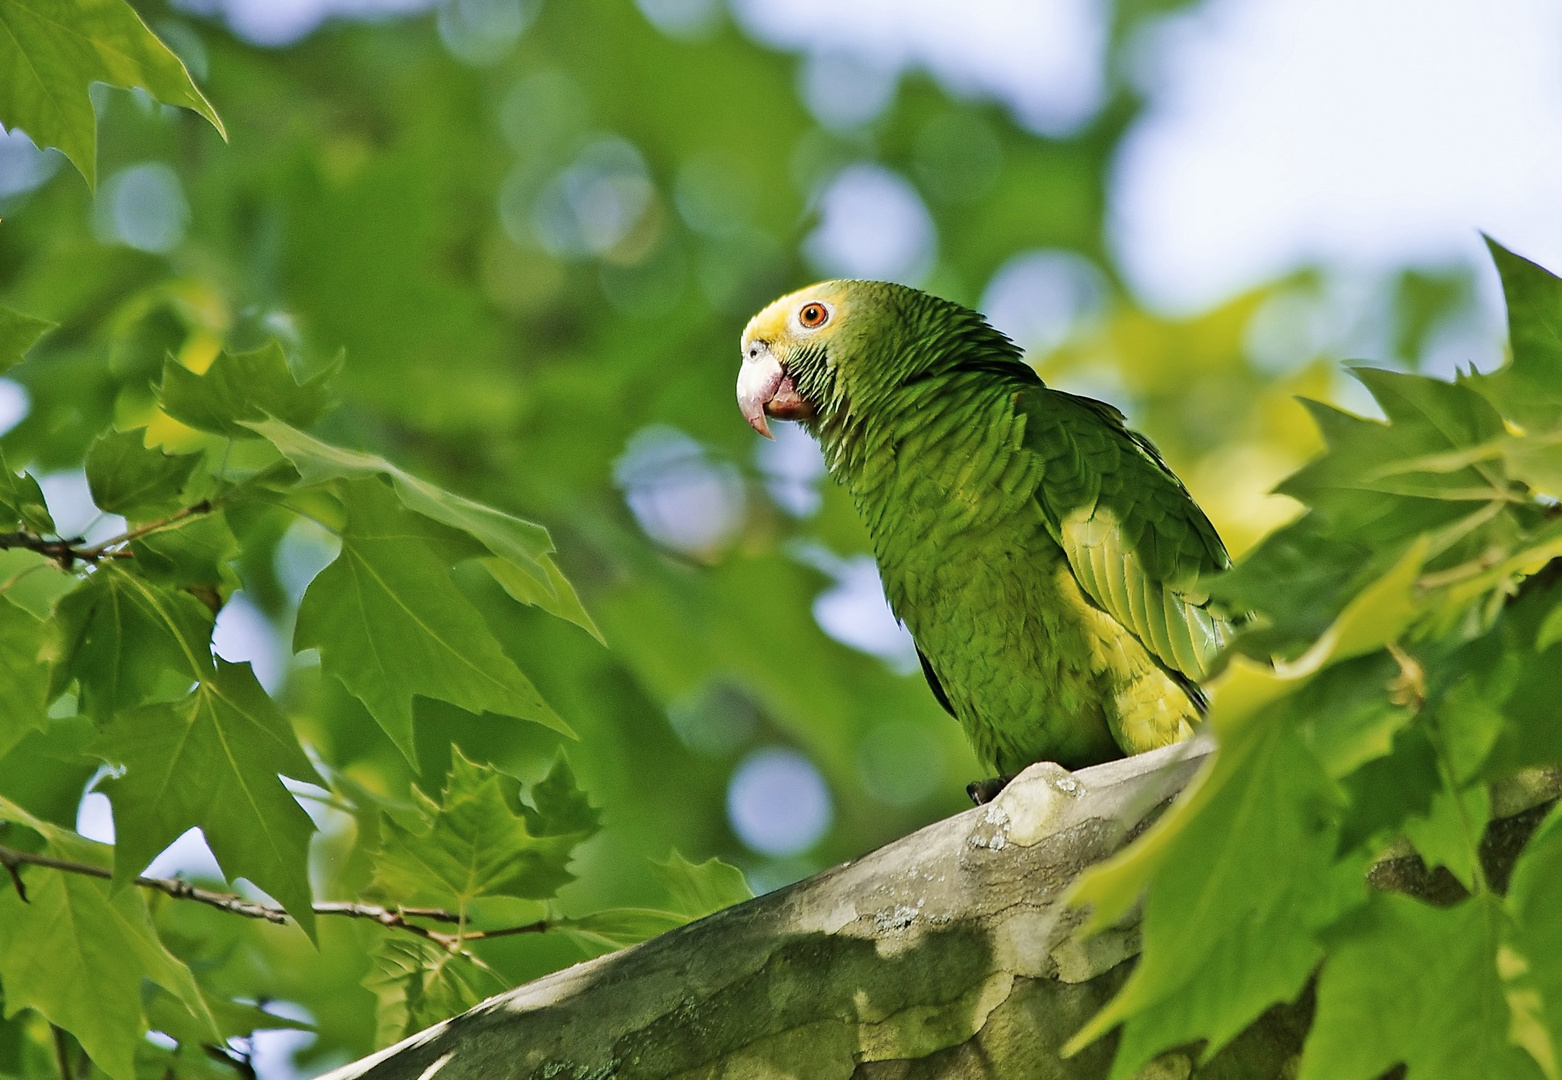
{"x":813,"y":315}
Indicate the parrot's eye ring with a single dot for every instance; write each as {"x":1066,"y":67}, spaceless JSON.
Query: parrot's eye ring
{"x":813,"y":315}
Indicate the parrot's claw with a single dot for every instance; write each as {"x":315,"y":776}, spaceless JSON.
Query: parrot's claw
{"x":985,"y":791}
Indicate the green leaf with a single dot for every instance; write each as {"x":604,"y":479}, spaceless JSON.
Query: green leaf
{"x":126,"y":641}
{"x":21,"y":502}
{"x":24,"y":679}
{"x":234,"y":1019}
{"x":521,"y":543}
{"x":212,"y":761}
{"x":1221,"y":892}
{"x":480,"y":840}
{"x":417,"y":983}
{"x":524,"y":588}
{"x":196,"y":554}
{"x":52,"y":50}
{"x":558,"y":805}
{"x":1386,"y":791}
{"x":126,"y":478}
{"x":240,"y":387}
{"x":1529,"y":387}
{"x":18,"y":333}
{"x":390,"y":624}
{"x":78,"y":954}
{"x":1450,"y":832}
{"x":1415,"y":984}
{"x":1535,"y":901}
{"x":617,"y":927}
{"x":698,"y":889}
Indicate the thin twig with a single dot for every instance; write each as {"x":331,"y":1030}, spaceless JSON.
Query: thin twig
{"x":396,"y":918}
{"x":102,"y":550}
{"x":68,"y":553}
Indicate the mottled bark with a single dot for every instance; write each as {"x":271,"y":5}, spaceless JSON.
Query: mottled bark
{"x":945,"y":954}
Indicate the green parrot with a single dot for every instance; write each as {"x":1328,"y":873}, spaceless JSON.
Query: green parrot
{"x":1042,"y":555}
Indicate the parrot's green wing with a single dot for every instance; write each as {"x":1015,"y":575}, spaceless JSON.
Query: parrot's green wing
{"x":1134,"y":537}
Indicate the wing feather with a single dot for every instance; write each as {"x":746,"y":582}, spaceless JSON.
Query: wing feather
{"x":1133,"y":536}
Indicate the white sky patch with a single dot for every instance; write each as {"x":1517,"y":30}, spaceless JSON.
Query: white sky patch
{"x":1044,"y":59}
{"x":1358,"y":133}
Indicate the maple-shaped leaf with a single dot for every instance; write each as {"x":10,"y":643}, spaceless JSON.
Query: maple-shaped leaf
{"x":417,"y":983}
{"x":240,"y":387}
{"x":126,"y":641}
{"x":1409,"y":456}
{"x":24,"y":679}
{"x":390,"y":623}
{"x":1528,"y":388}
{"x":18,"y":333}
{"x":77,"y":953}
{"x":211,"y":760}
{"x":1213,"y":884}
{"x":698,"y":889}
{"x":127,"y":478}
{"x":480,"y":840}
{"x":1428,"y":980}
{"x":51,"y":51}
{"x":196,"y":554}
{"x":1535,"y":969}
{"x":520,"y":549}
{"x":21,"y":502}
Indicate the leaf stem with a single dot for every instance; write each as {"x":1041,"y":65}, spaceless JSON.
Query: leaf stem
{"x":392,"y":918}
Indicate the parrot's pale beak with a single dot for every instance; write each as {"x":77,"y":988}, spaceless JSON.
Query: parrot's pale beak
{"x":765,"y":389}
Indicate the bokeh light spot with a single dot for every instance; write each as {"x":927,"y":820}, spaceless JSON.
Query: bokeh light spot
{"x":143,"y":207}
{"x":778,"y":803}
{"x":681,"y":498}
{"x":873,"y":225}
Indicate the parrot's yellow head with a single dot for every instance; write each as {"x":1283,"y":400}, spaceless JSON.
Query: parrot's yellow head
{"x":790,"y":335}
{"x":841,"y":352}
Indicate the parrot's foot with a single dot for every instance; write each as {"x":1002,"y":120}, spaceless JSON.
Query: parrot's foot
{"x":985,"y":791}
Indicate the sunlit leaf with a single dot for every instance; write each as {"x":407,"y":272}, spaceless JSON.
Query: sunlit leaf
{"x":54,"y":49}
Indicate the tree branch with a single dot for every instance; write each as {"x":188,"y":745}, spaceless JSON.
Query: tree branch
{"x":948,"y":953}
{"x":67,"y":553}
{"x":392,"y":918}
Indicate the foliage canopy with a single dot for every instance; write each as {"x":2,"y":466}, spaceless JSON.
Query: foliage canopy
{"x":409,"y":791}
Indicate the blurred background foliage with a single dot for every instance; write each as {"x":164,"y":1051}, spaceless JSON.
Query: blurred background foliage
{"x":535,"y":230}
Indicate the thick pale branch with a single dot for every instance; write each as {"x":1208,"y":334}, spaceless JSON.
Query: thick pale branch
{"x":948,"y":953}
